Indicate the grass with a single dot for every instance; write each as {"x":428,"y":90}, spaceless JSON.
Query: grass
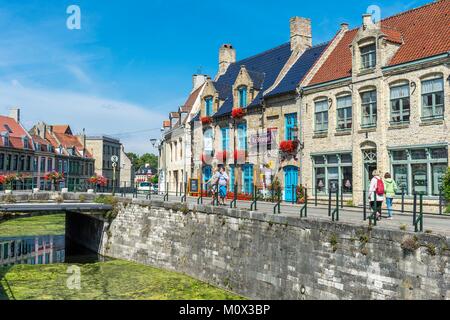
{"x":111,"y":280}
{"x":34,"y":226}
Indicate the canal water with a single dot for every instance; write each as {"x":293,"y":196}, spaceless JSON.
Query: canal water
{"x":37,"y":262}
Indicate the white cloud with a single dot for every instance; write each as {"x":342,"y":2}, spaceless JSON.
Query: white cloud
{"x":98,"y":115}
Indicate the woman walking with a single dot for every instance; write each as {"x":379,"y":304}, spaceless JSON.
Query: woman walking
{"x":390,"y":189}
{"x":376,"y":193}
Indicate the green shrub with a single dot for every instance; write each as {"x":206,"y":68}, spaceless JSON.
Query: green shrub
{"x":104,"y":199}
{"x":446,"y":186}
{"x":447,"y":210}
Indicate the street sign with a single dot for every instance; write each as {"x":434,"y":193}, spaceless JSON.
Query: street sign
{"x":115,"y":159}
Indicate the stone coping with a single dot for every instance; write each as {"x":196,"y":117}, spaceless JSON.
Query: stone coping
{"x":304,"y":223}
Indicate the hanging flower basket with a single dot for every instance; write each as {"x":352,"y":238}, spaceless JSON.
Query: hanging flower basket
{"x":289,"y":146}
{"x":98,"y":180}
{"x":206,"y":120}
{"x":54,"y":177}
{"x":238,"y":113}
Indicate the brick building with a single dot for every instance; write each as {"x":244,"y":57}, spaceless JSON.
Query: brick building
{"x":379,"y":99}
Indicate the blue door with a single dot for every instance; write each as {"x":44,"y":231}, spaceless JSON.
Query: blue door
{"x":247,"y":178}
{"x":207,"y":175}
{"x":290,"y":183}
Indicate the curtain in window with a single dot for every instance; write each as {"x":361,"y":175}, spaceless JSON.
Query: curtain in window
{"x":400,"y":92}
{"x":434,"y":85}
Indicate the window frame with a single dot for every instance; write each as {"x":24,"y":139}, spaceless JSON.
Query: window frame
{"x":243,"y":96}
{"x":371,"y":62}
{"x":433,"y":94}
{"x":326,"y":165}
{"x":290,"y":122}
{"x":373,"y":104}
{"x":401,"y":101}
{"x":346,"y":120}
{"x":409,"y":162}
{"x":323,"y":124}
{"x":209,"y":103}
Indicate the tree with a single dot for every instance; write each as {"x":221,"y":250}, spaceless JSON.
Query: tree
{"x":140,"y":161}
{"x":134,"y":158}
{"x":150,"y":159}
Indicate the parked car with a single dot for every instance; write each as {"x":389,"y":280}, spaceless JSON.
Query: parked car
{"x":144,"y":187}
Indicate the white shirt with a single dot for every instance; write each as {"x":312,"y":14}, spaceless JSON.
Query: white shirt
{"x":373,"y":189}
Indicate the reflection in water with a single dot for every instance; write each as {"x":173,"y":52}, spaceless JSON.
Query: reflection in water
{"x":32,"y":250}
{"x":43,"y":250}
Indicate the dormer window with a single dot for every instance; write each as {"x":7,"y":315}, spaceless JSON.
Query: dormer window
{"x":368,"y":57}
{"x":25,"y":143}
{"x":8,"y":128}
{"x":242,"y":91}
{"x":209,"y":106}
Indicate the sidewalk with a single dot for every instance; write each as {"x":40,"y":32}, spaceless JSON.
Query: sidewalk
{"x":436,"y":224}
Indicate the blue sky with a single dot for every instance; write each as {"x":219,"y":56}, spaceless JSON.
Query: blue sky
{"x":132,"y":61}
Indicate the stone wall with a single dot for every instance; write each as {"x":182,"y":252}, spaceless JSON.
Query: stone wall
{"x":264,"y":256}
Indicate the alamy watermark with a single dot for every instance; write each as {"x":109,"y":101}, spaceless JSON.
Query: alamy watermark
{"x":74,"y":20}
{"x":73,"y":281}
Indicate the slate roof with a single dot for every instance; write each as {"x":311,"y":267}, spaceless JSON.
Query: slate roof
{"x":422,"y":32}
{"x":298,"y":71}
{"x":263,"y":69}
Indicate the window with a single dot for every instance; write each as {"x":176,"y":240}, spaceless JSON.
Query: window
{"x":321,"y":116}
{"x":8,"y":162}
{"x":272,"y":134}
{"x":225,"y":138}
{"x":290,"y":121}
{"x":369,"y":108}
{"x":209,"y":106}
{"x":242,"y":137}
{"x":2,"y":161}
{"x":368,"y":57}
{"x":433,"y":99}
{"x":15,"y":162}
{"x":242,"y":97}
{"x":400,"y":107}
{"x":49,"y":165}
{"x":332,"y":171}
{"x":42,"y":168}
{"x":344,"y":113}
{"x":419,"y":170}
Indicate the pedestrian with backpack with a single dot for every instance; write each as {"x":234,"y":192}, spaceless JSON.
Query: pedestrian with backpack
{"x":391,"y":188}
{"x":376,"y":193}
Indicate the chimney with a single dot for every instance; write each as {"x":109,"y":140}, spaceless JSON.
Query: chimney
{"x":15,"y":114}
{"x":198,"y":80}
{"x":227,"y":56}
{"x":344,"y":26}
{"x":301,"y":36}
{"x":367,"y":20}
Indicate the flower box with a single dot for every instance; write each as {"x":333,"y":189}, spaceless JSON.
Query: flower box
{"x":289,"y":146}
{"x":238,"y":113}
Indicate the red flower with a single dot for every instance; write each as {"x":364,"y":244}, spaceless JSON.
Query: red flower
{"x":206,"y":120}
{"x":98,"y":180}
{"x":289,"y":146}
{"x":54,"y":176}
{"x":237,"y":113}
